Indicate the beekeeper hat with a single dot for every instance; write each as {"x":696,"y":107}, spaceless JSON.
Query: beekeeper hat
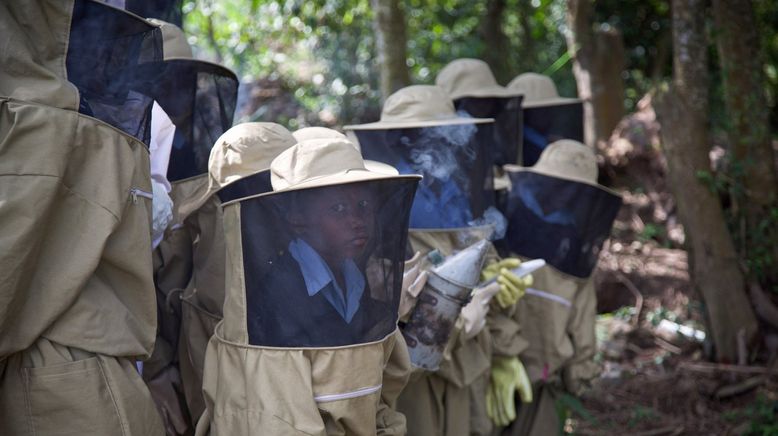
{"x":316,"y":163}
{"x":242,"y":151}
{"x":566,"y":159}
{"x":322,"y":133}
{"x":538,"y":90}
{"x":418,"y":106}
{"x":174,"y":45}
{"x":471,"y":78}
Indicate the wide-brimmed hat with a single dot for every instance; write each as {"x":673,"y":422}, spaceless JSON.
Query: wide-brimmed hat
{"x":316,"y":163}
{"x":471,"y":78}
{"x":242,"y":151}
{"x":175,"y":46}
{"x":323,"y":162}
{"x":418,"y":106}
{"x":307,"y":133}
{"x":538,"y":90}
{"x":566,"y":159}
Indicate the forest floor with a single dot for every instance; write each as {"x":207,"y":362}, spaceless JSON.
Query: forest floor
{"x":656,"y":381}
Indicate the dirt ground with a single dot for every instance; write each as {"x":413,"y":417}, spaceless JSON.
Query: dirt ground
{"x":656,"y":381}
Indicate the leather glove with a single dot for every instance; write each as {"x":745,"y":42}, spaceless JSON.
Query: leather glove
{"x":474,"y":313}
{"x":507,"y":376}
{"x":161,"y":212}
{"x":512,"y":287}
{"x":414,"y":280}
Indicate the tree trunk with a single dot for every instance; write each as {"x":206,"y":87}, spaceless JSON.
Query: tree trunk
{"x":391,"y":44}
{"x":752,"y":154}
{"x":495,"y":41}
{"x":598,"y":61}
{"x":683,"y":114}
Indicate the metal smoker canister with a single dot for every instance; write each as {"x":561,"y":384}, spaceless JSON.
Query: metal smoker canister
{"x":447,"y":290}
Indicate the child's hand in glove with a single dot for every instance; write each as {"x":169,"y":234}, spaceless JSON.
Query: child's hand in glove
{"x":508,"y":376}
{"x":512,"y":287}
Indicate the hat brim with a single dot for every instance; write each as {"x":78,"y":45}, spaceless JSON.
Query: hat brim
{"x":386,"y":125}
{"x":550,"y":102}
{"x":380,"y":167}
{"x":492,"y":91}
{"x":342,"y":178}
{"x":550,"y":173}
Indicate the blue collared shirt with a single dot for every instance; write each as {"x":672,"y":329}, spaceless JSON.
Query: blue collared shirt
{"x":319,"y":278}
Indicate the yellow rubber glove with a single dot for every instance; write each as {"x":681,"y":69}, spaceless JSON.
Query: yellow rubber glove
{"x":508,"y":376}
{"x":512,"y":287}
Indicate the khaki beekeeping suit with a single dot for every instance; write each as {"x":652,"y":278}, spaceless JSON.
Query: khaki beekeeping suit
{"x":559,"y":213}
{"x":197,"y":100}
{"x":237,"y":167}
{"x":286,"y":359}
{"x":397,"y":369}
{"x":449,"y":401}
{"x":77,"y":304}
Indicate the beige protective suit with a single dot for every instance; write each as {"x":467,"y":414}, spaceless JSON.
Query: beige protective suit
{"x":562,"y":345}
{"x":77,"y":304}
{"x":191,"y":258}
{"x":558,"y":312}
{"x":252,"y":389}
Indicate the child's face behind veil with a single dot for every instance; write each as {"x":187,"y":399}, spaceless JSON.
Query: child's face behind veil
{"x":337,"y":221}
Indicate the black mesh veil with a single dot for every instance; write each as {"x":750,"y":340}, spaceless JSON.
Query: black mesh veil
{"x":199,"y":97}
{"x":254,"y":184}
{"x":561,"y":221}
{"x":106,"y":47}
{"x":507,"y":114}
{"x":323,"y":266}
{"x":456,"y":162}
{"x":546,"y":124}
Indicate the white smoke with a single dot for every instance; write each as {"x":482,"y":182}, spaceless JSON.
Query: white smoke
{"x":445,"y":152}
{"x":494,"y":218}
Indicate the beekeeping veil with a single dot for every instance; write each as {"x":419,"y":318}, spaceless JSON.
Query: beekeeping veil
{"x":314,"y":271}
{"x":558,"y":212}
{"x":107,"y":51}
{"x":199,"y":97}
{"x":547,"y":116}
{"x":474,"y":90}
{"x":420,"y":133}
{"x":322,"y":254}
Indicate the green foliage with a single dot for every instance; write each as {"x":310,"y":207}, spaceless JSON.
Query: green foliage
{"x":568,"y":406}
{"x":657,"y":315}
{"x":767,"y":18}
{"x":647,"y":31}
{"x":624,"y":313}
{"x":324,"y":50}
{"x":653,"y":232}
